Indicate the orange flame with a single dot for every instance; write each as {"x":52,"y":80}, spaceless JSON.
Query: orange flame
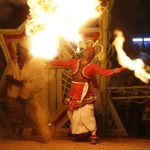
{"x":136,"y":65}
{"x":52,"y":20}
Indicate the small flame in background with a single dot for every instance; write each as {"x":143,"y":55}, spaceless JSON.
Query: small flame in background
{"x":52,"y":20}
{"x":136,"y":65}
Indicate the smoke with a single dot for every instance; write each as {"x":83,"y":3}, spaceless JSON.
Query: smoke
{"x":7,"y":7}
{"x":35,"y":91}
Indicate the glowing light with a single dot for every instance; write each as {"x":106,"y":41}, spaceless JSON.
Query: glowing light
{"x":52,"y":20}
{"x":146,"y":39}
{"x":140,"y":39}
{"x":137,"y":39}
{"x":136,"y":65}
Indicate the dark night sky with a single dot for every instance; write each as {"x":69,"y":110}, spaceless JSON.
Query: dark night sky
{"x":132,"y":16}
{"x":12,"y":13}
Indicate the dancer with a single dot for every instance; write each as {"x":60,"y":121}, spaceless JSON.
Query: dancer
{"x":80,"y":97}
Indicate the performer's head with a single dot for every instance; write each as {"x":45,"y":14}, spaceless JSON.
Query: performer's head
{"x":22,"y":50}
{"x":89,"y":43}
{"x":87,"y":49}
{"x":89,"y":52}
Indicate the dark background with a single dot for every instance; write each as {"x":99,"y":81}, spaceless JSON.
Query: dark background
{"x":132,"y":16}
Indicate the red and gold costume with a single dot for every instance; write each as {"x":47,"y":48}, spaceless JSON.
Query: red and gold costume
{"x":80,"y":99}
{"x":80,"y":92}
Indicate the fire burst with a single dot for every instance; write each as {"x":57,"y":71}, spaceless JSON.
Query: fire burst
{"x":136,"y":65}
{"x":51,"y":20}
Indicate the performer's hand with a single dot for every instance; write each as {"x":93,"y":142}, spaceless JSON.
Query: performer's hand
{"x":122,"y":69}
{"x":118,"y":70}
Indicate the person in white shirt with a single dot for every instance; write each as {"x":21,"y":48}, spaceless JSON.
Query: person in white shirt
{"x":27,"y":93}
{"x":15,"y":79}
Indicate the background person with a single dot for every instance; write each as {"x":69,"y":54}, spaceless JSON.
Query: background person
{"x":15,"y":79}
{"x":35,"y":93}
{"x":27,"y":93}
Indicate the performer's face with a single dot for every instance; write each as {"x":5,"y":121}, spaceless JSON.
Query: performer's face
{"x":89,"y":53}
{"x":23,"y":53}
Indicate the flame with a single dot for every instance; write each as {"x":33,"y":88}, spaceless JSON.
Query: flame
{"x":136,"y":65}
{"x":52,"y":20}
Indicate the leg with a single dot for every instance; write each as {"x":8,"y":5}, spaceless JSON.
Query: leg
{"x":93,"y":138}
{"x":20,"y":133}
{"x":83,"y":121}
{"x":69,"y":114}
{"x":12,"y":115}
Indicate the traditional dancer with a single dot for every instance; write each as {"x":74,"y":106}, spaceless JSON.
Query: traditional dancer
{"x":80,"y":97}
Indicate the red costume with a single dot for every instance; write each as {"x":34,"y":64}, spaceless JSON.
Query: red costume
{"x":80,"y":92}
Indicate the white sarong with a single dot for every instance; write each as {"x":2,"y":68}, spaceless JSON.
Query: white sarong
{"x":83,"y":119}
